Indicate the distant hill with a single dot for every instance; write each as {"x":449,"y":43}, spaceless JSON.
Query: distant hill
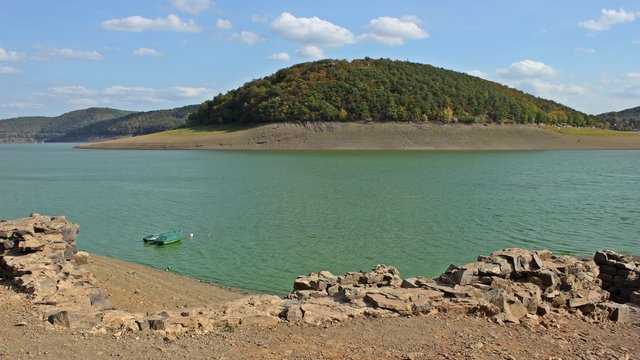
{"x":92,"y":124}
{"x":139,"y":123}
{"x":41,"y":128}
{"x":628,"y":119}
{"x":380,"y":90}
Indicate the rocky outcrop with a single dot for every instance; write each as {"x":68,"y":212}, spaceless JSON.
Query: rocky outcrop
{"x":40,"y":257}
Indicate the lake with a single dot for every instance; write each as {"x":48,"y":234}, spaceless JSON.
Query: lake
{"x":261,"y":218}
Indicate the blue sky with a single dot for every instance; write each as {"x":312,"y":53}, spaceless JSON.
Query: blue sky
{"x":63,"y":55}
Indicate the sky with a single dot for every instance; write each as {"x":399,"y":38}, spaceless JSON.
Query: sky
{"x":64,"y":55}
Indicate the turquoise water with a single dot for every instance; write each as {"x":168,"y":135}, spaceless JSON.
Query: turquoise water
{"x":259,"y":219}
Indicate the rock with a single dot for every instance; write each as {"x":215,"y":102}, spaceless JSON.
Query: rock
{"x":548,"y":278}
{"x":385,"y":301}
{"x":489,"y":269}
{"x":156,"y":324}
{"x":500,"y":283}
{"x":30,"y":243}
{"x":143,"y":325}
{"x":410,"y":283}
{"x":60,"y":318}
{"x":619,"y":313}
{"x":629,"y":266}
{"x":600,"y":257}
{"x":536,"y":262}
{"x":6,"y":244}
{"x":416,"y":282}
{"x":587,"y":308}
{"x":512,"y":310}
{"x":307,"y":294}
{"x":635,"y":297}
{"x":608,"y":269}
{"x":81,"y":257}
{"x":323,"y":311}
{"x":100,"y":301}
{"x":319,"y":281}
{"x":294,"y":314}
{"x":505,"y":266}
{"x":351,"y":278}
{"x":464,"y":276}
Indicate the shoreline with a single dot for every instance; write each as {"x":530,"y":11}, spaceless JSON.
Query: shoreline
{"x":136,"y":287}
{"x":377,"y":136}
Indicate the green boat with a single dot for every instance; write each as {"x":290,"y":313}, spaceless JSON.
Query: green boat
{"x":163,"y":238}
{"x":151,"y":239}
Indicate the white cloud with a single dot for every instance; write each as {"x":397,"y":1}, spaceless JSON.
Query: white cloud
{"x":9,"y":70}
{"x":10,"y":55}
{"x":147,"y":52}
{"x":247,"y":37}
{"x":71,"y":90}
{"x":21,"y":105}
{"x":126,"y":96}
{"x":191,"y":6}
{"x":543,"y":80}
{"x":224,"y":24}
{"x":478,"y":73}
{"x":311,"y":31}
{"x":527,"y":69}
{"x":541,"y":87}
{"x":311,"y":52}
{"x":585,"y":50}
{"x":260,"y":18}
{"x":633,"y":75}
{"x":138,"y":24}
{"x":393,"y":31}
{"x":283,"y":56}
{"x":608,"y":18}
{"x":190,"y":92}
{"x":45,"y":53}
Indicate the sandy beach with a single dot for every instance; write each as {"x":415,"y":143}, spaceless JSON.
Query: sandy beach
{"x":379,"y":136}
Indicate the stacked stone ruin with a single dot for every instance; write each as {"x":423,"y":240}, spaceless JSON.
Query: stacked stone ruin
{"x":620,"y":276}
{"x":39,"y":257}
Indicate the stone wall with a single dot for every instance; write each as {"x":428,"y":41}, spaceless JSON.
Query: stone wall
{"x":620,"y":276}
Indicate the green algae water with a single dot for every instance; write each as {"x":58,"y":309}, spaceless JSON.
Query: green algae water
{"x":259,"y":219}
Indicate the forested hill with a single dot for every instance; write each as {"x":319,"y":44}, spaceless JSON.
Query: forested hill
{"x":91,"y":124}
{"x":379,"y":90}
{"x":139,"y":123}
{"x":42,"y":128}
{"x":623,"y":120}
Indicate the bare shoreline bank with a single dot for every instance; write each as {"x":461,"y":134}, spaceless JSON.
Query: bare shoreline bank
{"x":378,"y":136}
{"x":61,"y":303}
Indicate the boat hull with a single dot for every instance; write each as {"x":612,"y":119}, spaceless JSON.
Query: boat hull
{"x":163,"y":238}
{"x":169,"y":237}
